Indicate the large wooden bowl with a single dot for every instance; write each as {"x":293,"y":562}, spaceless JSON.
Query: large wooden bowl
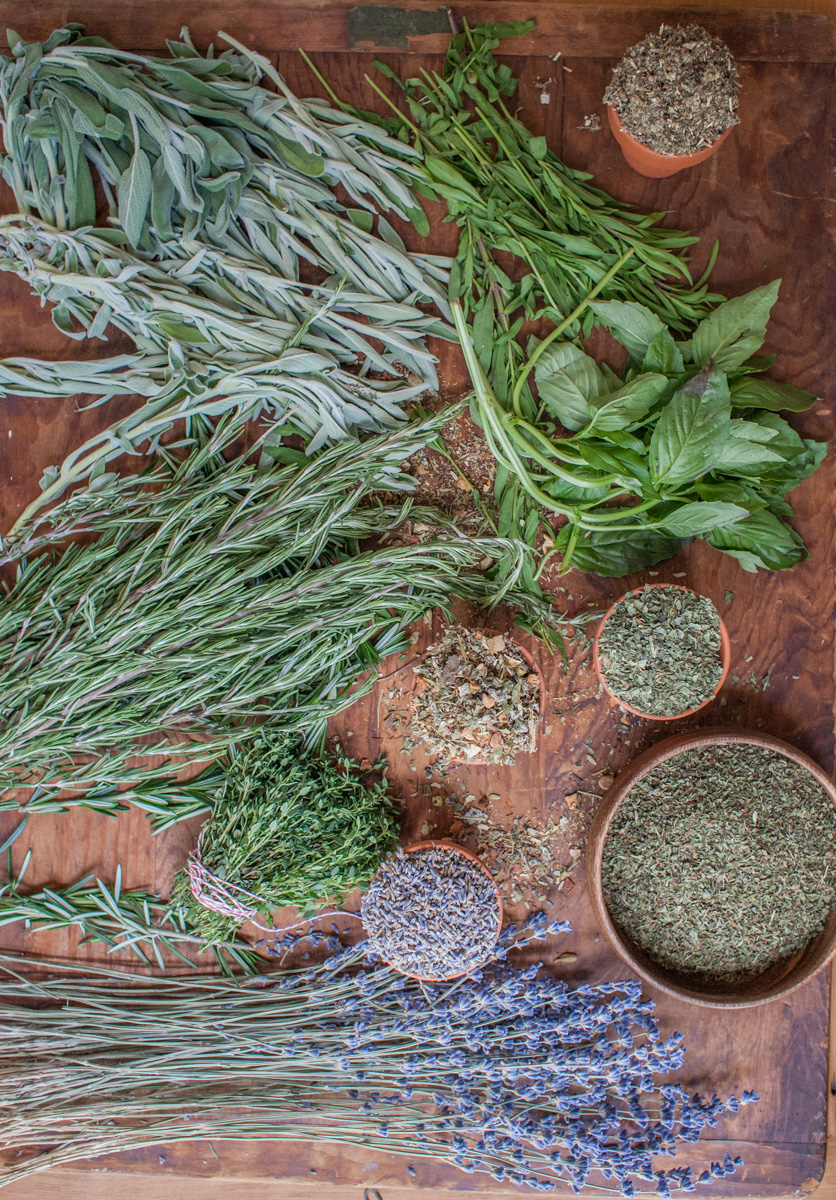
{"x":778,"y":980}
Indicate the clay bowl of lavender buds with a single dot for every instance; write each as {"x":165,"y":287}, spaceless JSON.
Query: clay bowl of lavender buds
{"x":662,"y":652}
{"x":433,"y":912}
{"x":712,"y":867}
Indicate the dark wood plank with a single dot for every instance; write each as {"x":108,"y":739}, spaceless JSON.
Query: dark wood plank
{"x":338,"y":25}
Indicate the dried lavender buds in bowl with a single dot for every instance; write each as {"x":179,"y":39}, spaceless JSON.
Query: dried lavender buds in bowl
{"x":662,"y":651}
{"x":676,"y":91}
{"x":478,"y":698}
{"x":432,"y":912}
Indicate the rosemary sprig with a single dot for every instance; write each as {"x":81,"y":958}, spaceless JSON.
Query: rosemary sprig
{"x":223,"y":596}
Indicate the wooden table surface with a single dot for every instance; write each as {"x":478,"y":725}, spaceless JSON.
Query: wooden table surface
{"x":768,"y":197}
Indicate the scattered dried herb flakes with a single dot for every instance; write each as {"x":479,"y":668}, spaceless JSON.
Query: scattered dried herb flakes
{"x":676,"y":90}
{"x":431,"y":913}
{"x":526,"y":856}
{"x":480,"y":700}
{"x":660,"y":650}
{"x":719,"y":862}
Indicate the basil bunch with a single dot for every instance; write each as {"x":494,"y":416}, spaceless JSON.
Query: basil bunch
{"x":686,"y":443}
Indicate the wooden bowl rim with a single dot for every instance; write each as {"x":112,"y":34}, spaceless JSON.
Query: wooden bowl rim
{"x":778,"y":981}
{"x":725,"y":656}
{"x":443,"y":844}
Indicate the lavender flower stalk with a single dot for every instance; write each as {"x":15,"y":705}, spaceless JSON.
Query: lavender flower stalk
{"x":508,"y":1072}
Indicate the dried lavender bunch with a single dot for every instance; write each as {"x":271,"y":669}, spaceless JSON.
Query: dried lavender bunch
{"x":510,"y":1072}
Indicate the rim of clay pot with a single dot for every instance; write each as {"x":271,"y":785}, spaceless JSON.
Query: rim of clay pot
{"x":725,"y":657}
{"x":649,"y":162}
{"x":779,"y":980}
{"x":477,"y":760}
{"x":441,"y":844}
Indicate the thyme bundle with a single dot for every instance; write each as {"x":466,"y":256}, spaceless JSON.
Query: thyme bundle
{"x":286,"y":828}
{"x":221,"y":596}
{"x":511,"y":1072}
{"x":207,"y":260}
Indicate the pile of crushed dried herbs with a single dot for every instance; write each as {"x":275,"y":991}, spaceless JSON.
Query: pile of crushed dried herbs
{"x":719,"y":861}
{"x":476,"y":698}
{"x":659,"y":650}
{"x":676,"y":90}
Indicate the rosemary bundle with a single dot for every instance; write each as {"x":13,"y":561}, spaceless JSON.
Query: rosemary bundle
{"x":510,"y":1072}
{"x":286,"y":828}
{"x":220,"y":596}
{"x":207,"y":260}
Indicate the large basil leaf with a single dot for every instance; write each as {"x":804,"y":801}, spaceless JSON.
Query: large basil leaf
{"x":748,"y":448}
{"x":628,"y":405}
{"x":761,"y":540}
{"x":567,"y":381}
{"x":735,"y":330}
{"x":663,"y":355}
{"x":769,"y":394}
{"x":614,"y":553}
{"x":699,"y":517}
{"x":635,"y":326}
{"x":689,"y":434}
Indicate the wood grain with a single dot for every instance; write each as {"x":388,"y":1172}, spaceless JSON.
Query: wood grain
{"x":768,"y":195}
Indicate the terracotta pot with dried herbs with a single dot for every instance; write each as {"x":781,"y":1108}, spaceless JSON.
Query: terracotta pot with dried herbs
{"x":478,"y":697}
{"x":662,"y":651}
{"x":673,"y":99}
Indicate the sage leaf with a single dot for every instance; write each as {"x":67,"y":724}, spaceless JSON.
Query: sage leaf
{"x":689,"y":434}
{"x":735,"y":330}
{"x":134,"y":196}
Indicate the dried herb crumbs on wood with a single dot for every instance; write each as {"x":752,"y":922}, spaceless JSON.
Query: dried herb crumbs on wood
{"x":480,"y":700}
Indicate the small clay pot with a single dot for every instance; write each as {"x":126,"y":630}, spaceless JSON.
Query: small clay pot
{"x":646,"y":161}
{"x":476,"y":761}
{"x":780,"y":979}
{"x":725,"y":658}
{"x":500,"y":912}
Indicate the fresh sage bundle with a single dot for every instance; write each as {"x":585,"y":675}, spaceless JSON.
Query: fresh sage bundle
{"x":221,"y":210}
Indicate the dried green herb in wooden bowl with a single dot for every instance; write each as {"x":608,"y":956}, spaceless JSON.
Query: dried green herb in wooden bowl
{"x":479,"y":697}
{"x":662,"y":651}
{"x":712,"y":866}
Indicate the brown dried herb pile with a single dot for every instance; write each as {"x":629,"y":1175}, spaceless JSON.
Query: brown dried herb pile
{"x":660,"y":650}
{"x":476,"y":698}
{"x":676,"y":90}
{"x":719,"y":862}
{"x":527,"y":856}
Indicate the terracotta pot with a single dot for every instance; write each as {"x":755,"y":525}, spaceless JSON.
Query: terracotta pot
{"x":725,"y":658}
{"x":646,"y":161}
{"x":500,"y":912}
{"x":476,"y":761}
{"x":778,"y":980}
